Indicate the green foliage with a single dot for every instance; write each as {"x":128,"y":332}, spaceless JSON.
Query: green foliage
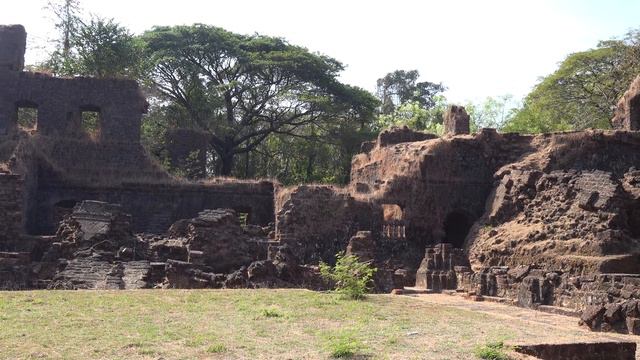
{"x":245,"y":89}
{"x":401,"y":87}
{"x":415,"y":116}
{"x":90,"y":122}
{"x":103,"y":48}
{"x":96,"y":47}
{"x":344,"y":344}
{"x":352,"y":277}
{"x":27,"y":117}
{"x":271,"y":313}
{"x":493,"y":112}
{"x":216,"y":348}
{"x":491,"y":351}
{"x":580,"y":94}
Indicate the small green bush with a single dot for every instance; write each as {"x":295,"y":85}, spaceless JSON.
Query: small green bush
{"x":352,"y":277}
{"x":344,"y":345}
{"x":271,"y":313}
{"x":491,"y":351}
{"x":216,"y":348}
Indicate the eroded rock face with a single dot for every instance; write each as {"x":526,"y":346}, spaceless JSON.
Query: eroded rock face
{"x":573,"y":221}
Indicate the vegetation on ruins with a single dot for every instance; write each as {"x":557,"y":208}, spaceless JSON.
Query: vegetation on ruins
{"x":352,"y":278}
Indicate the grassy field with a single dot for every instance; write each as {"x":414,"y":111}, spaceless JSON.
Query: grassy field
{"x":230,"y":324}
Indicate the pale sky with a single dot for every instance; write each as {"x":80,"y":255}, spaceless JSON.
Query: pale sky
{"x":476,"y":48}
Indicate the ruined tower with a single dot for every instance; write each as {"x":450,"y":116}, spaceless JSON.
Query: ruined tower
{"x":456,"y":120}
{"x":13,"y":40}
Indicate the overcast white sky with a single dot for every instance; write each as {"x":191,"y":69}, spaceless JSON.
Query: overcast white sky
{"x":476,"y":48}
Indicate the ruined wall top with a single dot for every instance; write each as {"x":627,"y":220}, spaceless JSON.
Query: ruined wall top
{"x":13,"y":42}
{"x":627,"y":112}
{"x":61,"y":102}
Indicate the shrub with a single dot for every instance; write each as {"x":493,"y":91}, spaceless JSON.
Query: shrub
{"x":344,"y":345}
{"x":271,"y":313}
{"x":491,"y":351}
{"x":352,"y":277}
{"x":216,"y":348}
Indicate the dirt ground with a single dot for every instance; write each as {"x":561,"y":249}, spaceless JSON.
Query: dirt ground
{"x":536,"y":320}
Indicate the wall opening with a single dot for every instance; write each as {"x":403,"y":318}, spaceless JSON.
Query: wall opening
{"x":393,"y":225}
{"x":456,"y":228}
{"x":27,"y":115}
{"x":90,"y":118}
{"x":634,"y":113}
{"x":633,"y":220}
{"x":244,"y":215}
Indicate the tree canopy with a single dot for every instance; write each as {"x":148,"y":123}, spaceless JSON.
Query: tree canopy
{"x":244,"y":88}
{"x":580,"y":94}
{"x":400,"y":87}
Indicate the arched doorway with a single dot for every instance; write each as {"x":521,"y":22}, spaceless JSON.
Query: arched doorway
{"x":456,"y":227}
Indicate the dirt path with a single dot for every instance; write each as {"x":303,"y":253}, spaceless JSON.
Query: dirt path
{"x":533,"y":318}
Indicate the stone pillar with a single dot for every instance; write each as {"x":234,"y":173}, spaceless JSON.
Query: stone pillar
{"x":456,"y":120}
{"x":13,"y":42}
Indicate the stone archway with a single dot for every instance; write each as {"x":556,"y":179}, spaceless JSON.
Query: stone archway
{"x":456,"y":227}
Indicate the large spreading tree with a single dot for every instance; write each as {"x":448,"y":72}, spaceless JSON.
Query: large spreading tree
{"x":242,"y":89}
{"x":581,"y":93}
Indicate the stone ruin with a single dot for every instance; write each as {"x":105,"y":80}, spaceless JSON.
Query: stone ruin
{"x":548,"y":221}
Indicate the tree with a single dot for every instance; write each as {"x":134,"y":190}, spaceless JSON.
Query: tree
{"x":415,"y":116}
{"x":493,"y":112}
{"x":103,"y":48}
{"x":400,"y":86}
{"x":67,"y":20}
{"x":582,"y":92}
{"x":96,"y":47}
{"x":244,"y":89}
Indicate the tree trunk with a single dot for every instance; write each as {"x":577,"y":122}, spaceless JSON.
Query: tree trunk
{"x":227,"y":163}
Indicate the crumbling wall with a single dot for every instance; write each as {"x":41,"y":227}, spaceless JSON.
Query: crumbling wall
{"x":627,"y":112}
{"x":431,"y":180}
{"x":61,"y":101}
{"x":317,"y":221}
{"x":10,"y":209}
{"x":157,"y":206}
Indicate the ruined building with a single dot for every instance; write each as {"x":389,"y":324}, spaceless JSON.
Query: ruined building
{"x":61,"y":164}
{"x":550,"y":220}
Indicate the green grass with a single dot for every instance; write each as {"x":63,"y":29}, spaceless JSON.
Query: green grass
{"x":241,"y":324}
{"x":216,"y":348}
{"x":491,"y":351}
